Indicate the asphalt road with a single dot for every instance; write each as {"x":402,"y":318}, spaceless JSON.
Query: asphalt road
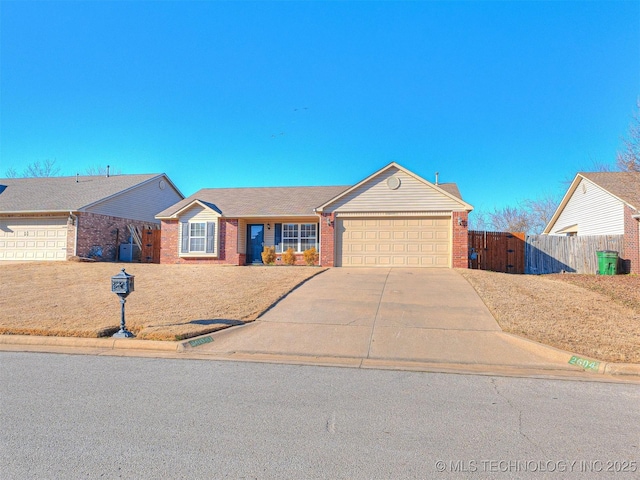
{"x":76,"y":416}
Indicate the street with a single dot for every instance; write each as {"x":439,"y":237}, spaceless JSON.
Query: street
{"x":80,"y":416}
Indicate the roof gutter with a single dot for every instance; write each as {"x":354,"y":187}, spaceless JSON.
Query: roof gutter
{"x":33,"y":212}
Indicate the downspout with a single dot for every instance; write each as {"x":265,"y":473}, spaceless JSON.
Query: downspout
{"x":75,"y":223}
{"x":319,"y":237}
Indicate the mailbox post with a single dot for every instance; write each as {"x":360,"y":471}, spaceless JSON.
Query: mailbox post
{"x":122,"y":285}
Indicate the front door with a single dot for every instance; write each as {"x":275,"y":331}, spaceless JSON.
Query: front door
{"x":255,"y":243}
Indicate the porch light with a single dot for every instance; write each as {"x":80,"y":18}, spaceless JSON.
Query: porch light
{"x":329,"y":221}
{"x":268,"y":226}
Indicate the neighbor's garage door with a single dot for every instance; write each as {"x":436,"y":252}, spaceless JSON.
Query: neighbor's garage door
{"x":33,"y":239}
{"x":394,"y":242}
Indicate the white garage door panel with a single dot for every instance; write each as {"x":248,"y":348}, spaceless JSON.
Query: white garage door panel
{"x":33,"y":239}
{"x":401,"y":242}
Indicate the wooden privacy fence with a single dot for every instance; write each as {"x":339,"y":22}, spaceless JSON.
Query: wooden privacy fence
{"x":555,"y":254}
{"x":150,"y":248}
{"x":496,"y":251}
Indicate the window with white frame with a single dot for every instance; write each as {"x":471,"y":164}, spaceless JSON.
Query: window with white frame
{"x":198,"y":238}
{"x":307,"y":236}
{"x":289,"y":236}
{"x":299,"y":236}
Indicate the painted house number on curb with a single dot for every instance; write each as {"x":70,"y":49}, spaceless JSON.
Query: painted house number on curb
{"x":584,"y":363}
{"x":200,"y":341}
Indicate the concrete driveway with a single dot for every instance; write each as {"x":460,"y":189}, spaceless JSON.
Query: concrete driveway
{"x":385,"y":317}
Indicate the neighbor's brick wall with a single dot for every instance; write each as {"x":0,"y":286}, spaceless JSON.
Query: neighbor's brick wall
{"x":460,"y":240}
{"x":71,"y":237}
{"x":327,"y":239}
{"x":101,"y":234}
{"x":631,"y":241}
{"x":227,"y":245}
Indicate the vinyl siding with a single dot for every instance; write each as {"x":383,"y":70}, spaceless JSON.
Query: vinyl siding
{"x":595,"y":211}
{"x":411,"y":195}
{"x":200,"y":214}
{"x":143,"y":202}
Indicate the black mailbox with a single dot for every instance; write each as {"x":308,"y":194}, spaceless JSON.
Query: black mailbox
{"x":122,"y":284}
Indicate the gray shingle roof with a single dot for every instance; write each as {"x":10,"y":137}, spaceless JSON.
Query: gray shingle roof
{"x":624,"y":185}
{"x":450,"y":188}
{"x":260,"y":202}
{"x":56,"y":194}
{"x":270,"y":201}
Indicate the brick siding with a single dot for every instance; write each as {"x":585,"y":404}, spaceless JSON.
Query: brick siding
{"x":460,"y":240}
{"x":631,"y":241}
{"x":327,"y":238}
{"x":100,"y":236}
{"x":227,"y":247}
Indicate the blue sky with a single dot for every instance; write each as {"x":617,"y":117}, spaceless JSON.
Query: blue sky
{"x":507,"y":99}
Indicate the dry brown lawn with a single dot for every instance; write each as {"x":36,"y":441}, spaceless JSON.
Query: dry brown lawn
{"x":595,"y":316}
{"x":170,"y":302}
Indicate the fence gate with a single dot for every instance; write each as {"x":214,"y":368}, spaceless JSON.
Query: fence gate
{"x":150,"y":251}
{"x":497,"y":251}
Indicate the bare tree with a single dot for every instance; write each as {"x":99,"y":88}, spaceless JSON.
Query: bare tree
{"x":529,"y":216}
{"x":540,"y":211}
{"x":47,"y":168}
{"x":100,"y":170}
{"x":628,"y":160}
{"x":478,"y":220}
{"x":510,"y":219}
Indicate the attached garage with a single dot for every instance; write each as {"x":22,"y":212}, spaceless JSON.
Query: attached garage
{"x":58,"y":218}
{"x":33,"y":238}
{"x":394,"y":241}
{"x":394,"y":218}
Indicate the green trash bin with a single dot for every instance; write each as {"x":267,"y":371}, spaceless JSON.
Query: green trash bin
{"x":607,"y":262}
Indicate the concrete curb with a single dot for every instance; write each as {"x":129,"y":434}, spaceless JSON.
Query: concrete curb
{"x":185,"y":349}
{"x":103,"y":343}
{"x":632,"y":369}
{"x":604,"y":368}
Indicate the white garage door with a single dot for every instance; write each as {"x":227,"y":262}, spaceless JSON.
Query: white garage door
{"x":33,"y":239}
{"x":394,"y":242}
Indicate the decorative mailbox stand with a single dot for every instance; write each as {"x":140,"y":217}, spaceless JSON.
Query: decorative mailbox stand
{"x":122,"y":285}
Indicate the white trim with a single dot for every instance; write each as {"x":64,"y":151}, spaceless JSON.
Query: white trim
{"x":176,"y":215}
{"x":394,"y":214}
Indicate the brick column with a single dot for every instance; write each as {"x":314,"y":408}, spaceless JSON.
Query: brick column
{"x":631,"y":241}
{"x":169,"y":241}
{"x":327,"y":239}
{"x":460,"y":240}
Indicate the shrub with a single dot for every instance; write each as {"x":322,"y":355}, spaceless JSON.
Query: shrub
{"x":269,"y":255}
{"x":289,"y":257}
{"x":310,"y":256}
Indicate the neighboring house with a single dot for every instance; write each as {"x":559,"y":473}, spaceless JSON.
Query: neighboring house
{"x":391,"y":218}
{"x":54,"y":218}
{"x":602,"y":203}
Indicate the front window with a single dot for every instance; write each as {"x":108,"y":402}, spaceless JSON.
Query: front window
{"x":307,"y":236}
{"x":290,"y":236}
{"x":198,"y":238}
{"x":197,"y":235}
{"x":299,"y":236}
